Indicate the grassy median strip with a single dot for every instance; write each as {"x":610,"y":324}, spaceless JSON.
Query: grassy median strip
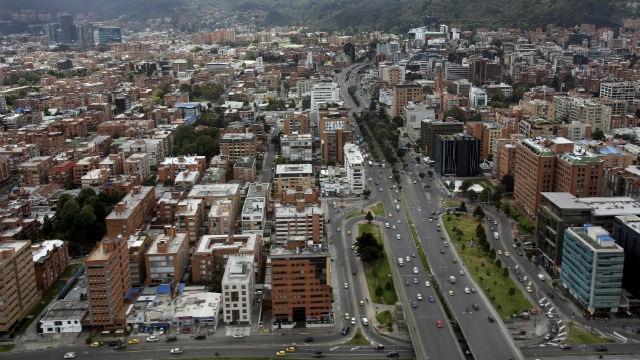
{"x":358,"y":339}
{"x":500,"y":289}
{"x":577,"y":334}
{"x":378,"y":275}
{"x":385,"y":319}
{"x":377,"y":209}
{"x":354,"y":214}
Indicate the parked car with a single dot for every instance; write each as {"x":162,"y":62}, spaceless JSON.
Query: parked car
{"x":600,"y":348}
{"x":393,"y":354}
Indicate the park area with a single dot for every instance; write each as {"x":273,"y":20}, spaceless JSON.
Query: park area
{"x":378,"y":274}
{"x":492,"y":277}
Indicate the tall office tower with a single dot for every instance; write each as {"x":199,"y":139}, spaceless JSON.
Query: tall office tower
{"x":66,"y":33}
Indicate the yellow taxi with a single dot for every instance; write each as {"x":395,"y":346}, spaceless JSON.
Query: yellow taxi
{"x":96,"y":344}
{"x":134,"y":341}
{"x":281,"y":353}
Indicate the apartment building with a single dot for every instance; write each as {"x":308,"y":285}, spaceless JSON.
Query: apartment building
{"x":221,"y":217}
{"x":626,"y":232}
{"x":114,"y":163}
{"x":137,"y":245}
{"x":457,"y":155}
{"x":171,"y":166}
{"x":211,"y":193}
{"x":132,"y":212}
{"x":35,"y":171}
{"x":296,"y":122}
{"x":355,"y":169}
{"x":592,"y":268}
{"x":588,"y":111}
{"x":18,"y":286}
{"x":300,"y":284}
{"x":391,"y":74}
{"x":403,"y":94}
{"x":335,"y":131}
{"x":579,"y":173}
{"x":138,"y":165}
{"x":83,"y":166}
{"x":290,"y":176}
{"x":254,"y":215}
{"x":488,"y":133}
{"x":299,"y":222}
{"x":167,"y":257}
{"x":297,"y":147}
{"x":324,"y":93}
{"x":210,"y":255}
{"x":625,"y":91}
{"x":108,"y":281}
{"x":238,"y":284}
{"x":50,"y":258}
{"x":237,"y":145}
{"x":190,"y":218}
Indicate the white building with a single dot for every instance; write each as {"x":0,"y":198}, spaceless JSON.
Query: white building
{"x":259,"y":65}
{"x":324,"y":93}
{"x":297,"y":147}
{"x":568,"y":108}
{"x":152,"y":147}
{"x":65,"y":316}
{"x":624,"y":91}
{"x":391,"y":74}
{"x":304,"y":87}
{"x":238,"y":284}
{"x":413,"y":115}
{"x":355,"y":168}
{"x":477,"y":97}
{"x":254,"y":215}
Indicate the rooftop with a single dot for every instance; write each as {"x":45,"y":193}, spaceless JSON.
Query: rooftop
{"x":353,"y":154}
{"x":173,"y":243}
{"x":597,"y":238}
{"x":254,"y":206}
{"x":214,"y":190}
{"x":130,"y":201}
{"x":599,"y":206}
{"x":286,"y":169}
{"x":242,"y":242}
{"x":237,"y":136}
{"x":42,"y":249}
{"x":239,"y":268}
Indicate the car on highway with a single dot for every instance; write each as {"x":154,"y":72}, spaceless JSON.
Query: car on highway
{"x":475,"y":307}
{"x":361,"y":302}
{"x":414,"y":304}
{"x":96,"y":344}
{"x":393,"y":227}
{"x":439,"y":324}
{"x":461,"y":272}
{"x":445,"y":244}
{"x":380,"y":189}
{"x":415,"y":280}
{"x":70,"y":355}
{"x":467,"y":290}
{"x":451,"y":292}
{"x":454,"y":260}
{"x":338,"y":229}
{"x":600,"y":348}
{"x":281,"y":353}
{"x":499,"y":252}
{"x":353,"y":321}
{"x":378,"y":347}
{"x":386,"y":225}
{"x":407,"y":282}
{"x":291,"y":348}
{"x":318,"y":354}
{"x":506,"y":253}
{"x":413,"y":255}
{"x":415,"y":269}
{"x":490,"y":319}
{"x":344,"y":331}
{"x":175,"y":351}
{"x":393,"y":354}
{"x":473,"y":290}
{"x":432,"y":299}
{"x":408,"y":258}
{"x":346,"y":285}
{"x":308,"y":339}
{"x":397,"y":236}
{"x":419,"y":296}
{"x":399,"y":221}
{"x":134,"y":341}
{"x":566,"y":347}
{"x":427,"y":284}
{"x":200,"y":337}
{"x":441,"y":251}
{"x":346,"y":316}
{"x":172,"y":338}
{"x":153,"y":338}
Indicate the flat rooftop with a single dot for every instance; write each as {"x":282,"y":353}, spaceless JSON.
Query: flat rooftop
{"x":291,"y":169}
{"x":600,"y":206}
{"x":214,"y":190}
{"x":173,"y":243}
{"x":42,"y":249}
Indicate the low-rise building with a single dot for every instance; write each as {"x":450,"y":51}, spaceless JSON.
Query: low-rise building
{"x":64,"y":316}
{"x":297,"y":147}
{"x":50,"y":258}
{"x":190,"y":218}
{"x":235,"y":145}
{"x":167,"y":257}
{"x":170,"y":167}
{"x":290,"y":176}
{"x":212,"y":252}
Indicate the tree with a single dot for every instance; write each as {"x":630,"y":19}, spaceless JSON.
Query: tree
{"x":498,"y":263}
{"x":421,"y":175}
{"x":366,"y":193}
{"x":479,"y":229}
{"x":430,"y":173}
{"x":397,"y":121}
{"x":598,"y":135}
{"x":466,"y":184}
{"x":456,"y":113}
{"x":478,"y":213}
{"x":511,"y":292}
{"x":369,"y":249}
{"x":505,"y":272}
{"x":369,"y":217}
{"x":462,"y":207}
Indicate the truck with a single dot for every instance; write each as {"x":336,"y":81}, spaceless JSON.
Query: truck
{"x":452,"y":279}
{"x":400,"y":262}
{"x":496,"y":235}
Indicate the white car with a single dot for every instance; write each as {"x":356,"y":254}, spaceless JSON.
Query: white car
{"x":419,"y":296}
{"x":446,"y":244}
{"x":353,"y":321}
{"x":415,"y":269}
{"x":499,"y":252}
{"x":175,"y":351}
{"x":506,"y":253}
{"x":461,"y":272}
{"x":399,"y":221}
{"x":386,"y":225}
{"x":467,"y":290}
{"x":153,"y":338}
{"x":346,"y":285}
{"x":393,"y":227}
{"x":427,"y":284}
{"x":70,"y":355}
{"x":398,"y":236}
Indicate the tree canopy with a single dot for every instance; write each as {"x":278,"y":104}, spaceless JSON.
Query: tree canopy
{"x":368,"y":247}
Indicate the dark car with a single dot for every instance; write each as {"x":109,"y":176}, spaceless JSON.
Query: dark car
{"x":309,"y":339}
{"x":171,"y":338}
{"x":393,"y":354}
{"x":200,"y":337}
{"x":379,"y":347}
{"x":114,"y":343}
{"x":490,"y":319}
{"x":345,"y":330}
{"x":475,"y":307}
{"x":600,"y":348}
{"x":318,"y":354}
{"x":120,"y":346}
{"x":566,"y":347}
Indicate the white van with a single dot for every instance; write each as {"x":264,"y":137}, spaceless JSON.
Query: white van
{"x":400,"y":262}
{"x":541,"y":277}
{"x":365,"y":321}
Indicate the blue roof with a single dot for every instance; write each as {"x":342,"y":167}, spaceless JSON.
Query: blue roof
{"x":190,"y":119}
{"x":187,"y":105}
{"x":133,"y":292}
{"x":181,"y":287}
{"x":163,"y":289}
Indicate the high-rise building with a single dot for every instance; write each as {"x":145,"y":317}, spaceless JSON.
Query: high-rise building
{"x":625,"y":91}
{"x":457,"y":155}
{"x":324,"y":93}
{"x":430,"y":129}
{"x":167,"y":257}
{"x":108,"y":35}
{"x":403,"y":94}
{"x":335,"y":132}
{"x":66,"y":32}
{"x":488,"y":133}
{"x":354,"y":168}
{"x":300,"y":284}
{"x":478,"y":97}
{"x":592,"y":268}
{"x":588,"y":111}
{"x":626,"y":231}
{"x":132,"y":212}
{"x":579,"y":173}
{"x":297,"y":147}
{"x":18,"y":287}
{"x":108,"y":279}
{"x":238,"y":285}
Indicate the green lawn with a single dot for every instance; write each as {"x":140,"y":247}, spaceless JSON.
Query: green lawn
{"x":485,"y":271}
{"x":358,"y":339}
{"x":377,"y":209}
{"x":378,"y":275}
{"x":47,"y":297}
{"x":70,"y":270}
{"x":576,"y":334}
{"x":354,"y":214}
{"x":450,"y":203}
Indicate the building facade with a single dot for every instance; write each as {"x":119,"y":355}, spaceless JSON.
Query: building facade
{"x":238,"y":284}
{"x":18,"y":287}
